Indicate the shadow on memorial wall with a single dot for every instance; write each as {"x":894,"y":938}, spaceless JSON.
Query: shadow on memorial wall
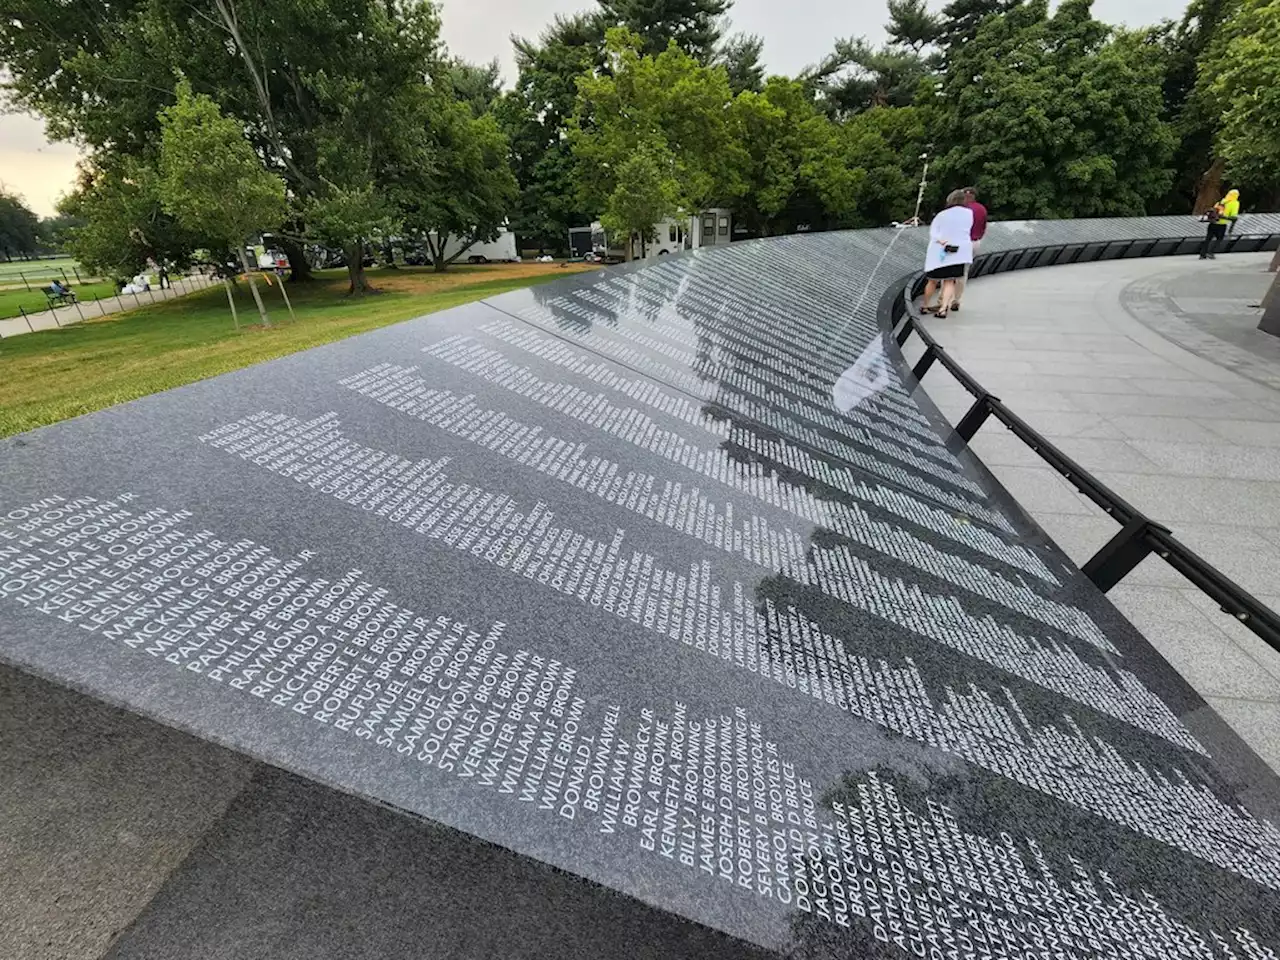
{"x":982,"y":803}
{"x":989,"y":806}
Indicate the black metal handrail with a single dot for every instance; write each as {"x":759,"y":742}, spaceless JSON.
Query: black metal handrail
{"x":1139,"y":536}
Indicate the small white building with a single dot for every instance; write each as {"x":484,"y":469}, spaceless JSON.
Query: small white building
{"x":712,"y":228}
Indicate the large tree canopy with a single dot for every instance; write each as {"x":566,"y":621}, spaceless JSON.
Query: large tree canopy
{"x":1241,"y":77}
{"x":378,"y":133}
{"x":122,"y":221}
{"x":466,"y":193}
{"x":534,"y":117}
{"x":1053,"y":116}
{"x":212,"y":182}
{"x":795,"y":173}
{"x":668,"y":105}
{"x":694,"y":26}
{"x":322,"y":89}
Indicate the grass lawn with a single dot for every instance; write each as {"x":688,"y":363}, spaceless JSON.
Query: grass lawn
{"x":56,"y":374}
{"x":37,"y":272}
{"x":34,"y":301}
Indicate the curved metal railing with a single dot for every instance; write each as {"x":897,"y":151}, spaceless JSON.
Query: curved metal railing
{"x":1139,"y":536}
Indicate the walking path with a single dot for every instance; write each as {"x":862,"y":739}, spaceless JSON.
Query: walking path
{"x":1152,"y":376}
{"x":93,"y":309}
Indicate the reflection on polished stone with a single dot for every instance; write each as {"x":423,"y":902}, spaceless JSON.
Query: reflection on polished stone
{"x":669,"y":578}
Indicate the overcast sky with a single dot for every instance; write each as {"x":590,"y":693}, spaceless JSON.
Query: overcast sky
{"x":796,"y":33}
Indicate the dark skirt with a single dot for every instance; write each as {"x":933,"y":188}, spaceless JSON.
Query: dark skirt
{"x":952,"y":271}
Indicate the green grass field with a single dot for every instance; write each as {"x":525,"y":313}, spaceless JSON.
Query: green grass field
{"x":56,"y":374}
{"x":34,"y":301}
{"x":37,"y":272}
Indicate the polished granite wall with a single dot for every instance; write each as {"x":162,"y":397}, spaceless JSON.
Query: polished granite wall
{"x":666,"y":576}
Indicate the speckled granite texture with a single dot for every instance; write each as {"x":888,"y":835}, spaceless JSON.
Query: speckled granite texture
{"x":667,"y":578}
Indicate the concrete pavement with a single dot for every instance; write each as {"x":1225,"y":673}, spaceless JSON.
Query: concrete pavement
{"x":93,"y":309}
{"x":1151,"y":374}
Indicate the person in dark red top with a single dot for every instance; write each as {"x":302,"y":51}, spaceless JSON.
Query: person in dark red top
{"x":975,"y":234}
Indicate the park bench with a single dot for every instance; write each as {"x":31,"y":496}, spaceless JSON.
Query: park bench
{"x":55,"y":300}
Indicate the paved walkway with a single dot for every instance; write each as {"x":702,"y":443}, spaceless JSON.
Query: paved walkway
{"x":1151,"y":375}
{"x":93,"y":309}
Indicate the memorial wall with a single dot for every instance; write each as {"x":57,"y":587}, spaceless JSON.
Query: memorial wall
{"x":668,"y":577}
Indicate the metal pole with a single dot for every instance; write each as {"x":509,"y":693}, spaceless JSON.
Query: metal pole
{"x":62,"y":271}
{"x":235,"y":317}
{"x":77,"y":273}
{"x":26,"y":318}
{"x":924,"y":179}
{"x":23,"y":276}
{"x":285,"y":294}
{"x":76,"y":304}
{"x":137,"y":300}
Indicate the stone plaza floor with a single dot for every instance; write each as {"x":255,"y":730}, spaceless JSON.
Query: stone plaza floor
{"x":1152,"y":375}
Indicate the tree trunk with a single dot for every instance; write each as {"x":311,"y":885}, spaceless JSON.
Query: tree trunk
{"x":438,"y":262}
{"x":299,"y":268}
{"x":1210,"y":187}
{"x":253,"y":287}
{"x":358,"y":284}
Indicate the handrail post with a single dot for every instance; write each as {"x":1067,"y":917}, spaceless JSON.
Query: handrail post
{"x":975,"y":417}
{"x":904,"y":334}
{"x":925,"y":362}
{"x":1121,"y":554}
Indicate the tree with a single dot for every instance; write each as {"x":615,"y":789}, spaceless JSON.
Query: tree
{"x":476,"y":85}
{"x":856,"y":76}
{"x":300,"y":75}
{"x":912,"y":24}
{"x":534,"y":116}
{"x":692,"y":25}
{"x":960,"y":20}
{"x":1242,"y":76}
{"x":123,"y":224}
{"x":645,"y":191}
{"x":882,"y":147}
{"x":212,"y":182}
{"x":18,"y":226}
{"x":1056,"y":116}
{"x":740,"y":55}
{"x":55,"y":231}
{"x":1190,"y":107}
{"x":795,"y":173}
{"x":468,"y":193}
{"x":668,"y":99}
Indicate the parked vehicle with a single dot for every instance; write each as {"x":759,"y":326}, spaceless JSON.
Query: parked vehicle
{"x":580,"y":241}
{"x":270,"y":259}
{"x":713,"y":227}
{"x":502,"y":249}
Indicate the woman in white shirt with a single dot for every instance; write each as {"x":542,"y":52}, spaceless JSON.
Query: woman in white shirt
{"x":950,"y":249}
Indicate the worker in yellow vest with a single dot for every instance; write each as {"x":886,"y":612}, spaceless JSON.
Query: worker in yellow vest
{"x":1224,"y":215}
